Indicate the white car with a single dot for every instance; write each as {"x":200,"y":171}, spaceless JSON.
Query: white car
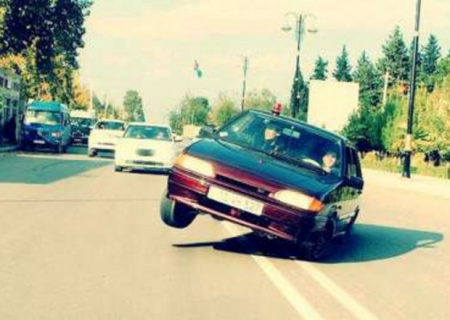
{"x":104,"y":136}
{"x":145,"y":146}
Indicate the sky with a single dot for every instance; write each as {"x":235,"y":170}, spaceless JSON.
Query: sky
{"x":151,"y":45}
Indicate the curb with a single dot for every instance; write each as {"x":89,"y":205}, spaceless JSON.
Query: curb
{"x":9,"y":149}
{"x":418,"y":183}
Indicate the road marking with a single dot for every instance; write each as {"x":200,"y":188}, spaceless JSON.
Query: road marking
{"x":297,"y":300}
{"x":339,"y":294}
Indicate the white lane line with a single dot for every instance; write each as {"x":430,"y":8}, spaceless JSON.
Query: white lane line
{"x":300,"y":304}
{"x":339,"y":294}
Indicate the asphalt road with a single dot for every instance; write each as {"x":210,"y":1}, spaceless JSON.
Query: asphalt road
{"x":79,"y":241}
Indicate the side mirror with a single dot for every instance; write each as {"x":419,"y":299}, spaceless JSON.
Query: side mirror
{"x":355,"y":182}
{"x":206,"y":132}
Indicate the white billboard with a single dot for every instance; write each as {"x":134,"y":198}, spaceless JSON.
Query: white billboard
{"x":331,"y":103}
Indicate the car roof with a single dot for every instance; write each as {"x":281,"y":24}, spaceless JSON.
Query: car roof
{"x":111,"y":120}
{"x":48,"y":106}
{"x":148,"y":124}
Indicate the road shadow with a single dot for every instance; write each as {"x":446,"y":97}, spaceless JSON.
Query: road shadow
{"x":366,"y":243}
{"x":29,"y":169}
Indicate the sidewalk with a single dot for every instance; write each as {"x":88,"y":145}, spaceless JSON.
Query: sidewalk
{"x":5,"y":148}
{"x":423,"y":184}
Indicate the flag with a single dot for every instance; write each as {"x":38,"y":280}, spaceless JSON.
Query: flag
{"x":198,"y":72}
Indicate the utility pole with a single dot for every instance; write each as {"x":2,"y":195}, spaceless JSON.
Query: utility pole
{"x":245,"y":68}
{"x":295,"y":94}
{"x":386,"y":80}
{"x":412,"y":91}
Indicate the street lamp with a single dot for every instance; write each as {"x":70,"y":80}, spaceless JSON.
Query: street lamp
{"x":412,"y":91}
{"x":244,"y":82}
{"x":300,"y":20}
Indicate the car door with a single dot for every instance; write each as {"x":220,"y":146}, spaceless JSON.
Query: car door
{"x":350,"y":194}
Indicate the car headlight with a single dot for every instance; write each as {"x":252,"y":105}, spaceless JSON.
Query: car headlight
{"x":195,"y":165}
{"x":297,"y":199}
{"x":56,"y":134}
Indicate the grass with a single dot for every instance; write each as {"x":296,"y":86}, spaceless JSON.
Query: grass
{"x":418,"y":166}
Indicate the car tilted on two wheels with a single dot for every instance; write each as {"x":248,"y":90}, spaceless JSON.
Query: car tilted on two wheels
{"x":285,"y":192}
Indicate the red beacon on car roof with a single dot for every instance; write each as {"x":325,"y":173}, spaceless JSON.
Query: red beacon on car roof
{"x":276,"y":110}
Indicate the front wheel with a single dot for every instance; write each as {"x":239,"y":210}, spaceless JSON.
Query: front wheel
{"x":315,"y":248}
{"x":174,"y":214}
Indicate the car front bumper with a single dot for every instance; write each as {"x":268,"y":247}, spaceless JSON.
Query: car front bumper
{"x":275,"y":220}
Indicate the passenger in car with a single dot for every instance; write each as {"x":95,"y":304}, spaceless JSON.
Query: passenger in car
{"x":329,"y":161}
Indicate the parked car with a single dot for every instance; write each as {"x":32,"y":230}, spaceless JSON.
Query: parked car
{"x":104,"y":136}
{"x":145,"y":146}
{"x":46,"y":125}
{"x":275,"y":175}
{"x":81,"y":122}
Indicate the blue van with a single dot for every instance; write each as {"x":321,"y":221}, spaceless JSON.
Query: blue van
{"x":46,"y":125}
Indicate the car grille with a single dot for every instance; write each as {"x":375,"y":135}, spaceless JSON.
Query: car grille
{"x":147,"y":163}
{"x":145,"y":152}
{"x":241,"y":185}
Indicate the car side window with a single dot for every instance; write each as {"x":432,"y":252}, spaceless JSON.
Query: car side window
{"x":353,"y":165}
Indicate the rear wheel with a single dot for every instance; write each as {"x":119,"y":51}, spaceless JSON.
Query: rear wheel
{"x":351,"y":223}
{"x":118,"y":168}
{"x":92,"y":152}
{"x":174,"y":214}
{"x":59,"y":149}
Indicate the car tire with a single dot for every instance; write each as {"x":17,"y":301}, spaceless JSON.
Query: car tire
{"x":315,"y":248}
{"x":118,"y":169}
{"x":92,"y":152}
{"x":351,"y":223}
{"x":59,"y":149}
{"x":175,"y":214}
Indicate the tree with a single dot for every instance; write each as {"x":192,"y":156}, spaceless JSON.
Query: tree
{"x":132,"y":104}
{"x":81,"y":95}
{"x":45,"y":35}
{"x":431,"y":55}
{"x":261,"y":100}
{"x":395,"y":58}
{"x":443,"y":70}
{"x":192,"y":110}
{"x":320,"y":70}
{"x":343,"y":70}
{"x":364,"y":129}
{"x":224,"y":109}
{"x":370,"y":81}
{"x":53,"y":27}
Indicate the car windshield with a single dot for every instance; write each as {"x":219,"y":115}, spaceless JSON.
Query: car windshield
{"x":81,"y":122}
{"x":285,"y":140}
{"x":148,"y":132}
{"x":42,"y":117}
{"x":110,"y":125}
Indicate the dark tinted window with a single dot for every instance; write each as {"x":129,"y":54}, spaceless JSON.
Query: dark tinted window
{"x":296,"y":141}
{"x":148,"y":132}
{"x":110,"y":125}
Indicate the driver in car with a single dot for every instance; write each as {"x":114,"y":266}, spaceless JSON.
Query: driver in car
{"x":271,"y":141}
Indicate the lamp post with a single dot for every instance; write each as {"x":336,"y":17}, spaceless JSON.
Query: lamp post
{"x":412,"y":91}
{"x":299,"y":25}
{"x":244,"y":82}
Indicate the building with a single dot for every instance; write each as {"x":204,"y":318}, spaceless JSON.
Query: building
{"x":11,"y":105}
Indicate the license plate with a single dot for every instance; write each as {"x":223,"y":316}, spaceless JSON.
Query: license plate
{"x":39,"y":142}
{"x":235,"y":200}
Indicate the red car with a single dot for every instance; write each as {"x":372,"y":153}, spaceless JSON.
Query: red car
{"x":275,"y":175}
